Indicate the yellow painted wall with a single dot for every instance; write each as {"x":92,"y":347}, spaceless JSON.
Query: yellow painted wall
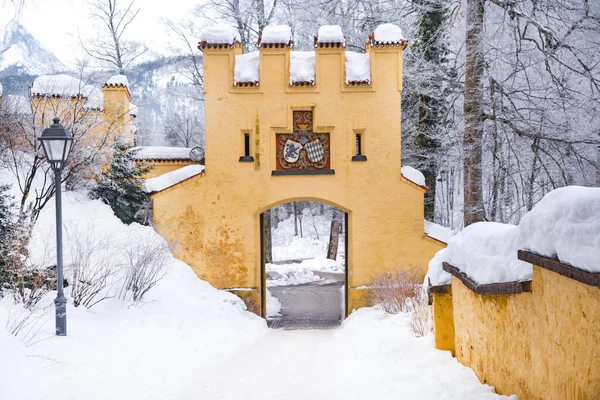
{"x":443,"y":321}
{"x":539,"y":345}
{"x":214,"y":219}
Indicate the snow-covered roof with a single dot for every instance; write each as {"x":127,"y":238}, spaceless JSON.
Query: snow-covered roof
{"x":57,"y":85}
{"x":276,"y":34}
{"x":246,"y":69}
{"x":157,"y":153}
{"x":413,"y":175}
{"x":358,"y":68}
{"x":169,"y":179}
{"x":330,"y":34}
{"x":219,"y":34}
{"x":438,"y":232}
{"x":388,"y":33}
{"x":95,"y":99}
{"x":564,"y":225}
{"x":117,"y":81}
{"x":302,"y":67}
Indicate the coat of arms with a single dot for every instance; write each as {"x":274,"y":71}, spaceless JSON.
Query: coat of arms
{"x":303,"y":149}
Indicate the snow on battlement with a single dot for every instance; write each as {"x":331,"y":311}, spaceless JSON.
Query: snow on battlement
{"x":246,"y":69}
{"x":302,"y":67}
{"x":564,"y":225}
{"x":358,"y":68}
{"x":276,"y":34}
{"x":330,"y":34}
{"x":219,"y":34}
{"x":58,"y":85}
{"x":117,"y":81}
{"x":169,"y":179}
{"x":388,"y":33}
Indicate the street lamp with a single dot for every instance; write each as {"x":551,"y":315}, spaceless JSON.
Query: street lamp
{"x":57,"y":142}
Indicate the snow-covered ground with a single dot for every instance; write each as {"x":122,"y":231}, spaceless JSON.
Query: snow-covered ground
{"x":187,"y":340}
{"x":373,"y":356}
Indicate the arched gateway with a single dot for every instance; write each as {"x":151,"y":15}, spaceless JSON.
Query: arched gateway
{"x":285,"y":126}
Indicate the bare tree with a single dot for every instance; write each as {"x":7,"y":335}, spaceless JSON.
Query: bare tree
{"x":184,"y":129}
{"x":110,"y":46}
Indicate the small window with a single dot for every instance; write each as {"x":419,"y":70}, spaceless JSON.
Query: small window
{"x":359,"y":156}
{"x":246,"y":157}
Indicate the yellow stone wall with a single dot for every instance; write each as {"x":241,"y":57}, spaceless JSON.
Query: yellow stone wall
{"x":213,"y":220}
{"x":543,"y":344}
{"x":443,"y":321}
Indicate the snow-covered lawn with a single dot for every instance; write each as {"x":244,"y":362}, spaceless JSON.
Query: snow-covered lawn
{"x":187,"y":340}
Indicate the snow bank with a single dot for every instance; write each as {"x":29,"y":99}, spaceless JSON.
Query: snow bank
{"x":330,"y":34}
{"x":144,"y":350}
{"x":162,"y":153}
{"x":302,"y":66}
{"x":220,"y":34}
{"x":358,"y":68}
{"x":273,"y":305}
{"x":388,"y":33}
{"x":413,"y":175}
{"x":172,"y":178}
{"x":118,"y":80}
{"x":276,"y":34}
{"x":565,"y":224}
{"x":290,"y":275}
{"x":246,"y":67}
{"x":439,"y":232}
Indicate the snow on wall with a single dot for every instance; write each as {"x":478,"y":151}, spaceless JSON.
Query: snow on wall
{"x":246,"y":67}
{"x":276,"y":34}
{"x":388,"y":33}
{"x":565,"y":224}
{"x":302,"y":66}
{"x":220,"y":34}
{"x":172,"y":178}
{"x":118,"y":80}
{"x":162,"y":153}
{"x":330,"y":34}
{"x":133,"y":109}
{"x":358,"y":67}
{"x":413,"y":175}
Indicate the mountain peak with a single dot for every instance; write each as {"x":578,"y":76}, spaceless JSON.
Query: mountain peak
{"x":21,"y":53}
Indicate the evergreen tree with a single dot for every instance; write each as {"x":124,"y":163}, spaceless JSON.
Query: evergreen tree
{"x":428,"y":92}
{"x":121,"y":185}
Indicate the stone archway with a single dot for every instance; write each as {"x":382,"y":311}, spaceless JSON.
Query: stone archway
{"x":311,"y":320}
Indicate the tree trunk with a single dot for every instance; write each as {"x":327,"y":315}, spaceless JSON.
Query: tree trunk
{"x":334,"y":235}
{"x":268,"y":236}
{"x":473,"y":110}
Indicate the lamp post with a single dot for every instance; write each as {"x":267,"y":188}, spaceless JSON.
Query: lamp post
{"x":57,"y":142}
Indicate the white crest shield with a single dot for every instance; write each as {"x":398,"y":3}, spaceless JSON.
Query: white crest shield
{"x":291,"y":151}
{"x":315,"y":150}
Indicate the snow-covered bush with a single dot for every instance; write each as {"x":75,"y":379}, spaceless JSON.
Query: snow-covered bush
{"x":418,"y":307}
{"x":145,"y":263}
{"x":392,"y":289}
{"x":93,"y":269}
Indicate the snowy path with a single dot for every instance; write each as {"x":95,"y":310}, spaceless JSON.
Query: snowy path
{"x":339,"y":364}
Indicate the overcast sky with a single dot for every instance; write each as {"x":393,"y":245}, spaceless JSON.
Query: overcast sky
{"x":56,"y":23}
